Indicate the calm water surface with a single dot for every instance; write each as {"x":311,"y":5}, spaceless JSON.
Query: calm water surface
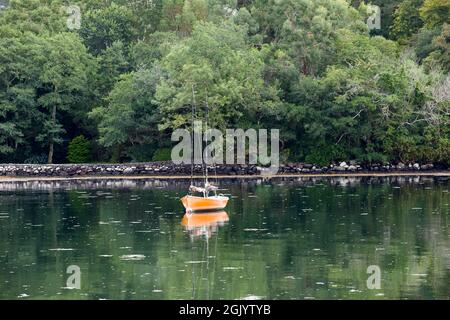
{"x":278,"y":239}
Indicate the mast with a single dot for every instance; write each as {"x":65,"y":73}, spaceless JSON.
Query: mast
{"x":206,"y":138}
{"x":192,"y":135}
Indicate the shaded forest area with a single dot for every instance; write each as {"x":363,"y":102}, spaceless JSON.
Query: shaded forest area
{"x":114,"y":89}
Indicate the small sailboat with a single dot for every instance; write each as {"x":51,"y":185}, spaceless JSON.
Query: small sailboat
{"x":207,"y":198}
{"x":204,"y":202}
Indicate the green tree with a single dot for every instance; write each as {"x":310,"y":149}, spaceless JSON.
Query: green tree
{"x":144,"y":54}
{"x":112,"y":62}
{"x":36,"y":16}
{"x":432,"y":47}
{"x":20,"y":61}
{"x":222,"y":68}
{"x":79,"y":150}
{"x":101,"y":27}
{"x":306,"y":30}
{"x":364,"y":107}
{"x":171,"y":12}
{"x":130,"y":117}
{"x":441,"y":48}
{"x":64,"y":77}
{"x":147,"y":15}
{"x":407,"y":20}
{"x":181,"y":15}
{"x":435,"y":12}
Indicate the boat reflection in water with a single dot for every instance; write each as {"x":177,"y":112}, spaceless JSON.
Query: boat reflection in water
{"x":204,"y":224}
{"x":201,"y":227}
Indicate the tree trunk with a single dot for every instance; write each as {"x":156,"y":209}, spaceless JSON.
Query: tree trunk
{"x":50,"y":150}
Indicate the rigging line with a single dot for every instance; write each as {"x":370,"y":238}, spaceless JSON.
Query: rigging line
{"x":215,"y":259}
{"x":193,"y":269}
{"x":204,"y":230}
{"x":207,"y":266}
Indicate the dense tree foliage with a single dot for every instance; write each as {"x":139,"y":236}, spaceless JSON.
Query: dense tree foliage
{"x":78,"y":150}
{"x":128,"y":76}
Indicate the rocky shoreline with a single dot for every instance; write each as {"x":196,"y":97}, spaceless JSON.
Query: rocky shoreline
{"x":167,"y":168}
{"x":150,"y":184}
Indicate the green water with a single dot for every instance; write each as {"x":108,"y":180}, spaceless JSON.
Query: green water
{"x":285,"y":239}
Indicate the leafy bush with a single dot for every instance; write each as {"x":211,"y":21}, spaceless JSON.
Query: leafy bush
{"x":79,"y":150}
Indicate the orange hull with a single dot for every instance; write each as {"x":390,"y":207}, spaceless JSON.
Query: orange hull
{"x":193,"y":203}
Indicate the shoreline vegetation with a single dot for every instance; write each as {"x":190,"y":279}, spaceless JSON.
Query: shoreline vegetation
{"x":169,"y":170}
